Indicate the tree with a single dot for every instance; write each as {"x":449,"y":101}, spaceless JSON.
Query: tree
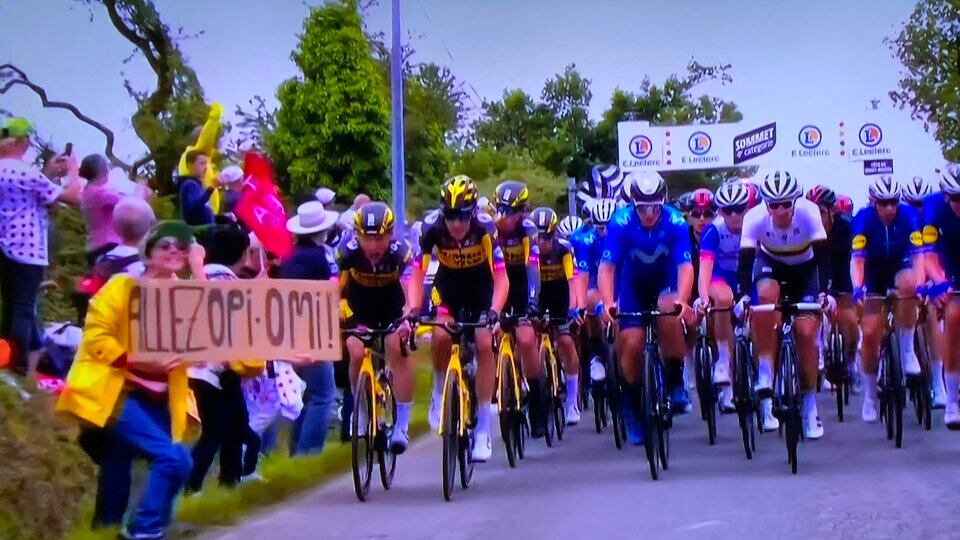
{"x":333,"y":125}
{"x":929,"y":87}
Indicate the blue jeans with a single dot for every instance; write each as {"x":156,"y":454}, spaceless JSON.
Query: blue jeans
{"x":310,"y":429}
{"x":19,"y":287}
{"x":142,"y":429}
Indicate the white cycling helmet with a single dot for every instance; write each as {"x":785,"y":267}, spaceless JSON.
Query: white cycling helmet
{"x":645,"y":187}
{"x":568,"y":225}
{"x":732,"y":194}
{"x":779,"y":185}
{"x":916,"y":190}
{"x":885,"y":188}
{"x":950,"y":179}
{"x":601,"y":210}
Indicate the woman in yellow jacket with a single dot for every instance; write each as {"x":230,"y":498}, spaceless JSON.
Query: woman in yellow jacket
{"x":142,"y":409}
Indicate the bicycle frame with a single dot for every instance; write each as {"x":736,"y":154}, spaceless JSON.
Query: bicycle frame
{"x":505,"y":353}
{"x":455,"y":367}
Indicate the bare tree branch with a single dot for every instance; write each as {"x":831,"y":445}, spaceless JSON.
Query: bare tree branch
{"x":22,"y":80}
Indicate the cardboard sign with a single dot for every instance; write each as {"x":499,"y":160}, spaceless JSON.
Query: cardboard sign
{"x":225,"y":321}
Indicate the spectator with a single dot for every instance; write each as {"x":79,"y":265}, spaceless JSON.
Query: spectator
{"x":97,"y":204}
{"x":312,"y":259}
{"x":231,"y":183}
{"x":326,"y":196}
{"x":132,"y":219}
{"x":193,"y":198}
{"x":25,"y":195}
{"x":141,"y":409}
{"x":220,"y":397}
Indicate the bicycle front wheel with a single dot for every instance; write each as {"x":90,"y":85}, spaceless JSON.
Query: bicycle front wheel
{"x":385,"y":456}
{"x":451,"y":433}
{"x":704,"y":366}
{"x":361,"y":438}
{"x":789,"y":385}
{"x":650,"y":413}
{"x":743,"y":396}
{"x":508,"y":405}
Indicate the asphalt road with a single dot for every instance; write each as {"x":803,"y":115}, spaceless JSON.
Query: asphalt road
{"x":852,"y":483}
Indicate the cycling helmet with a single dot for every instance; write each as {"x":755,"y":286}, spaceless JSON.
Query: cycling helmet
{"x":753,"y":193}
{"x":512,"y":194}
{"x":845,"y":205}
{"x":545,"y":220}
{"x":823,"y":196}
{"x":601,"y":210}
{"x":373,"y":218}
{"x":779,"y":185}
{"x":885,"y":188}
{"x":646,"y":187}
{"x":702,"y":199}
{"x":732,"y":194}
{"x":684,"y":202}
{"x":605,"y":182}
{"x":568,"y":225}
{"x":950,"y":179}
{"x":459,"y":193}
{"x":916,"y":190}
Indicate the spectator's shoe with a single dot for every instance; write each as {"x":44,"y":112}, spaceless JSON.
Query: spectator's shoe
{"x":399,"y":439}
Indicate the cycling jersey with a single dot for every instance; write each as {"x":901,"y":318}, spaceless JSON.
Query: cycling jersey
{"x":557,"y":268}
{"x":372,"y":291}
{"x":840,"y":248}
{"x":721,"y":245}
{"x":588,"y":248}
{"x":791,"y":246}
{"x":522,"y":258}
{"x":887,"y":249}
{"x":941,"y":234}
{"x":464,"y":279}
{"x":647,"y":259}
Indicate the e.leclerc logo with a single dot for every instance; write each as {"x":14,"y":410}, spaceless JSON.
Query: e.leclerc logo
{"x":870,"y":137}
{"x":641,"y":147}
{"x":810,"y":138}
{"x":700,"y":144}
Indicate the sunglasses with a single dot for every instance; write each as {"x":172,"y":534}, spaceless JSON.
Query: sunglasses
{"x":955,"y":198}
{"x":456,"y":214}
{"x":731,"y":210}
{"x":888,"y":202}
{"x":702,"y":214}
{"x":167,"y":243}
{"x":785,"y":205}
{"x":649,"y":209}
{"x":505,"y":210}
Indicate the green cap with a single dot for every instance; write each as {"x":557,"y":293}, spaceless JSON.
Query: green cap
{"x":16,"y":128}
{"x":167,"y":228}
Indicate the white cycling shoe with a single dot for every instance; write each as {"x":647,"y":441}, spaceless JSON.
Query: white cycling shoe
{"x":573,"y":414}
{"x":869,"y":412}
{"x":951,"y":416}
{"x":812,"y":428}
{"x":939,"y":395}
{"x":770,"y":422}
{"x":764,"y":382}
{"x":482,"y":448}
{"x":911,"y":365}
{"x":726,"y":400}
{"x":721,"y":372}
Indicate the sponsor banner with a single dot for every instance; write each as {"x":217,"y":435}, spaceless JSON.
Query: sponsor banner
{"x":812,"y":141}
{"x":754,"y":143}
{"x":697,"y":147}
{"x":641,"y":146}
{"x":226,"y":321}
{"x":866,"y":139}
{"x":877,"y":166}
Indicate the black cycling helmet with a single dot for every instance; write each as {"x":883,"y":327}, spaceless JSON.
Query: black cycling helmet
{"x":546,"y":220}
{"x":512,"y":194}
{"x":373,"y":218}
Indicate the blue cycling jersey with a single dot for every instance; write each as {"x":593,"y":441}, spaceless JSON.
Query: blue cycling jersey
{"x":644,"y":253}
{"x":722,"y":245}
{"x":941,"y":233}
{"x":886,"y":245}
{"x":587,"y":248}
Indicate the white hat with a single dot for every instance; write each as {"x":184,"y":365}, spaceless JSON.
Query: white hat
{"x":325,"y":195}
{"x":231,"y":174}
{"x":311,"y":218}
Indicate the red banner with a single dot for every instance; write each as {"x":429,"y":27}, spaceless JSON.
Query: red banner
{"x":261,"y":208}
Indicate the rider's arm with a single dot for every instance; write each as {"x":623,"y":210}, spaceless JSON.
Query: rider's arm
{"x":605,"y":278}
{"x":407,"y":259}
{"x":684,"y":282}
{"x":532,"y":251}
{"x":682,"y":258}
{"x":859,"y":247}
{"x":501,"y":284}
{"x":821,"y":253}
{"x":709,"y":244}
{"x":916,"y":247}
{"x":931,"y":242}
{"x":606,"y":271}
{"x":748,"y":256}
{"x":573,"y":282}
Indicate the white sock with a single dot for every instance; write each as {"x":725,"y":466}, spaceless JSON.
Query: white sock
{"x":438,"y":380}
{"x":765,"y":368}
{"x":810,"y":403}
{"x":952,"y":383}
{"x":403,"y":415}
{"x":723,"y":353}
{"x":936,"y":373}
{"x":573,"y":386}
{"x":906,"y":341}
{"x":483,"y":417}
{"x":870,"y":386}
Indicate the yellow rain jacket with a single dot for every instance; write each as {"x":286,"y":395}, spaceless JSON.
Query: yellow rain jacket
{"x":207,"y":142}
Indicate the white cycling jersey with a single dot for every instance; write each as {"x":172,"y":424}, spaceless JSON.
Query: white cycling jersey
{"x":790,"y":246}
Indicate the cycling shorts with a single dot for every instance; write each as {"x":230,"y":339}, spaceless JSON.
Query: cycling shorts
{"x":798,"y":282}
{"x":881,"y":278}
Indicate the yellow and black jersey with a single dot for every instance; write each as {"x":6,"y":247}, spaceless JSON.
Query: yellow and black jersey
{"x":521,"y":256}
{"x":557,"y":265}
{"x":478,"y":252}
{"x":366,"y":284}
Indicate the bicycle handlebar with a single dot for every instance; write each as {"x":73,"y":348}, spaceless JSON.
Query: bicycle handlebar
{"x":793,"y":307}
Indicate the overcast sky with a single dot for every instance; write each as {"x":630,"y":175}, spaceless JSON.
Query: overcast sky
{"x":817,"y":59}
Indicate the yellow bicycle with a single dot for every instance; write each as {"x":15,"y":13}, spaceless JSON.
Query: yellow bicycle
{"x":513,"y":423}
{"x":459,"y":404}
{"x":555,"y":414}
{"x":374,"y":412}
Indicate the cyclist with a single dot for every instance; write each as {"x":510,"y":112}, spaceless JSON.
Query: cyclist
{"x":516,"y":236}
{"x":371,"y":264}
{"x":568,"y":226}
{"x":558,"y":297}
{"x":886,"y":256}
{"x":941,"y":238}
{"x":782,"y":249}
{"x":587,"y":245}
{"x":914,"y":193}
{"x":840,"y":246}
{"x":719,"y":254}
{"x":646,"y":262}
{"x":471,"y":282}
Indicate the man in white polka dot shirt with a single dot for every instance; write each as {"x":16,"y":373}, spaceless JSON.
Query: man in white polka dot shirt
{"x":25,"y":194}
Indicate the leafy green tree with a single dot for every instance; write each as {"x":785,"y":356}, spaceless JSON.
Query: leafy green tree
{"x":333,"y":124}
{"x":928,"y":46}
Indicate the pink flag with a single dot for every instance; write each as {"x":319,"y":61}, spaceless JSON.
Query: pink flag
{"x":260,"y":207}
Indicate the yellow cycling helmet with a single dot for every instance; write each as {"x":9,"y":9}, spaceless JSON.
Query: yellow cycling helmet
{"x":373,"y":218}
{"x":459,"y":193}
